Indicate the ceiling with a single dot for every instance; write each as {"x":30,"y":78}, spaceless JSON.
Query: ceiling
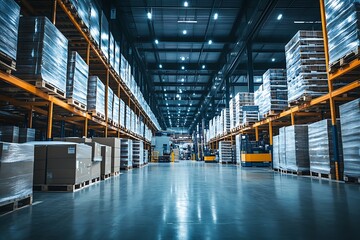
{"x":188,"y":70}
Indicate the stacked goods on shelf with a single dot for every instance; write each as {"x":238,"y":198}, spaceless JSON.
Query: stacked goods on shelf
{"x":238,"y":149}
{"x":95,"y":22}
{"x":126,"y":156}
{"x":226,"y":120}
{"x":250,"y":114}
{"x":122,"y":113}
{"x":116,"y":107}
{"x":176,"y":154}
{"x":137,"y":153}
{"x":42,"y":54}
{"x":16,"y":172}
{"x":271,"y":97}
{"x":232,"y":109}
{"x":26,"y":135}
{"x":276,"y":152}
{"x":114,"y":143}
{"x":321,"y":148}
{"x":146,"y":156}
{"x":127,"y":117}
{"x":73,"y":139}
{"x":282,"y":148}
{"x":111,"y":50}
{"x":83,"y":10}
{"x":350,"y":131}
{"x":104,"y":36}
{"x":297,"y":148}
{"x":9,"y":134}
{"x":96,"y":158}
{"x":242,"y":99}
{"x":61,"y":163}
{"x":123,"y":68}
{"x":96,"y":96}
{"x":9,"y":24}
{"x":110,"y":104}
{"x":342,"y":29}
{"x":306,"y":67}
{"x":117,"y":58}
{"x":105,"y":161}
{"x":77,"y":81}
{"x":225,"y":152}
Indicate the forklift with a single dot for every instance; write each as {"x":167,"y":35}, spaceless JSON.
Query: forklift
{"x":254,"y":153}
{"x":209,"y":156}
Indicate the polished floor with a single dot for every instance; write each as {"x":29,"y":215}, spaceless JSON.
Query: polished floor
{"x":189,"y":200}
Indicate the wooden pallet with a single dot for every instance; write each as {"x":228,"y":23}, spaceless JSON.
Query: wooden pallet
{"x":95,"y":180}
{"x":292,"y":172}
{"x":48,"y":88}
{"x":271,"y":113}
{"x":105,"y":176}
{"x":7,"y":63}
{"x":96,"y":114}
{"x":345,"y":60}
{"x":76,"y":104}
{"x":10,"y":206}
{"x":349,"y":179}
{"x":277,"y":169}
{"x":76,"y":15}
{"x":126,"y":168}
{"x":61,"y":187}
{"x":301,"y":100}
{"x":322,"y":175}
{"x":138,"y":165}
{"x":113,"y":174}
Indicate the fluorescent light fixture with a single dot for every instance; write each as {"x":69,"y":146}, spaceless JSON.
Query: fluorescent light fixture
{"x":149,"y":15}
{"x":216,"y":16}
{"x":187,"y":21}
{"x":190,"y":104}
{"x":179,"y":104}
{"x":182,"y":58}
{"x":167,"y":104}
{"x":165,"y":95}
{"x":177,"y":95}
{"x":307,"y":22}
{"x":184,"y":32}
{"x":279,"y":17}
{"x":203,"y":66}
{"x":183,"y":80}
{"x":164,"y":89}
{"x":273,"y":59}
{"x":186,"y":4}
{"x":180,"y":91}
{"x":182,"y":68}
{"x":160,"y":66}
{"x":210,"y":42}
{"x":156,"y":41}
{"x":193,"y":94}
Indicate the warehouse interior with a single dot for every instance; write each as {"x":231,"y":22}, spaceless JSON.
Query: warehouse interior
{"x":221,"y":119}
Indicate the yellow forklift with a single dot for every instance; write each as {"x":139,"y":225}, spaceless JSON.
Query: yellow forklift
{"x":254,"y":154}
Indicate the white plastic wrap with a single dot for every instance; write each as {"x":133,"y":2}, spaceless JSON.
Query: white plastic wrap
{"x":42,"y":52}
{"x":9,"y":134}
{"x":297,"y":148}
{"x":116,"y":109}
{"x":276,"y":152}
{"x":96,"y":95}
{"x":137,"y":152}
{"x":117,"y":58}
{"x":83,"y":10}
{"x":110,"y":103}
{"x":95,"y":16}
{"x":122,"y":113}
{"x":16,"y":171}
{"x":350,"y":132}
{"x":26,"y":135}
{"x":126,"y":153}
{"x":282,"y":148}
{"x":242,"y":99}
{"x":9,"y":24}
{"x":104,"y":43}
{"x":321,"y":150}
{"x":225,"y":151}
{"x":77,"y":79}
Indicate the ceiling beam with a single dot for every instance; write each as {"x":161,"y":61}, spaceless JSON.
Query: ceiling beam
{"x":184,"y":40}
{"x":212,"y":50}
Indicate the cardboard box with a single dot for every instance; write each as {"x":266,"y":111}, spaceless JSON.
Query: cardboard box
{"x":106,"y":160}
{"x":114,"y":143}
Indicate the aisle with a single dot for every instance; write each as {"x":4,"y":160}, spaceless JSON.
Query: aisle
{"x":192,"y":201}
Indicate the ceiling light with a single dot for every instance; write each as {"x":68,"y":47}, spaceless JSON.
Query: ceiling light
{"x":182,"y":68}
{"x":210,"y":42}
{"x":184,"y":32}
{"x":160,"y":66}
{"x":164,"y":89}
{"x":149,"y":15}
{"x":177,"y":95}
{"x":179,"y":104}
{"x":187,"y":21}
{"x":186,"y":4}
{"x":156,"y":41}
{"x":180,"y":91}
{"x":167,"y":104}
{"x":279,"y":17}
{"x":191,"y":103}
{"x":273,"y":59}
{"x":216,"y":15}
{"x":182,"y":58}
{"x":165,"y":95}
{"x":193,"y":94}
{"x":182,"y":79}
{"x":203,"y":66}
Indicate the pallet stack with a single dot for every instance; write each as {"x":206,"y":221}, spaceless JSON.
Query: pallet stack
{"x":146,"y":156}
{"x":104,"y":36}
{"x":237,"y":149}
{"x":271,"y":97}
{"x":42,"y":55}
{"x":282,"y":149}
{"x":126,"y":156}
{"x":82,"y":9}
{"x":77,"y":81}
{"x":225,"y":152}
{"x":110,"y":105}
{"x":105,"y":162}
{"x":115,"y":115}
{"x":306,"y":67}
{"x":137,"y":153}
{"x":232,"y":109}
{"x":9,"y":134}
{"x":225,"y":120}
{"x":96,"y":97}
{"x":26,"y":135}
{"x":114,"y":143}
{"x":9,"y":24}
{"x":250,"y":115}
{"x":95,"y":14}
{"x":276,"y":152}
{"x":242,"y":99}
{"x":350,"y":131}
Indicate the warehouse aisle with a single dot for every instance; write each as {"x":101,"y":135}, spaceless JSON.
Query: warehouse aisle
{"x":193,"y":201}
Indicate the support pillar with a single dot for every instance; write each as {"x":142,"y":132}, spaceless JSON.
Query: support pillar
{"x":250,"y":68}
{"x":50,"y":121}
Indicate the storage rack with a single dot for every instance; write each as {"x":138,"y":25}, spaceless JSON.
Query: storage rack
{"x":57,"y":109}
{"x":319,"y":108}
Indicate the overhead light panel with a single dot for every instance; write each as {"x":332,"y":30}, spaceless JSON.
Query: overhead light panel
{"x":273,"y":59}
{"x":182,"y":58}
{"x":210,"y":42}
{"x":203,"y":66}
{"x":149,"y":15}
{"x":182,"y":68}
{"x":177,"y":95}
{"x":184,"y":32}
{"x":279,"y":17}
{"x":186,"y":4}
{"x":183,"y":80}
{"x":187,"y":21}
{"x":160,"y":66}
{"x":156,"y":41}
{"x":216,"y":16}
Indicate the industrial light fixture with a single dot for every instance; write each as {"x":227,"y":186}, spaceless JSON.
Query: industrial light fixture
{"x":160,"y":66}
{"x":182,"y":58}
{"x":164,"y":89}
{"x":193,"y":94}
{"x":179,"y":104}
{"x":182,"y":68}
{"x":203,"y":66}
{"x":149,"y":15}
{"x":216,"y":15}
{"x":187,"y":21}
{"x":165,"y":95}
{"x":279,"y":17}
{"x":210,"y":42}
{"x":186,"y":4}
{"x":191,"y":103}
{"x":180,"y":91}
{"x":156,"y":41}
{"x":184,"y":32}
{"x":183,"y":80}
{"x":177,"y":95}
{"x":273,"y":59}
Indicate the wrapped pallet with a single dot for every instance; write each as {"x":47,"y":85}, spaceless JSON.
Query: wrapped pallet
{"x":83,"y":10}
{"x":114,"y":143}
{"x":111,"y":50}
{"x":297,"y":148}
{"x":276,"y":152}
{"x":146,"y":156}
{"x":9,"y":24}
{"x":238,"y":149}
{"x":9,"y":134}
{"x":96,"y":96}
{"x":306,"y":67}
{"x":26,"y":135}
{"x":96,"y":158}
{"x":321,"y":149}
{"x":110,"y":104}
{"x":242,"y":99}
{"x":225,"y":152}
{"x":250,"y":114}
{"x":105,"y":161}
{"x":104,"y":37}
{"x":350,"y":132}
{"x":117,"y":58}
{"x":116,"y":108}
{"x":282,"y":148}
{"x":95,"y":16}
{"x":343,"y":29}
{"x":122,"y":113}
{"x":126,"y":153}
{"x":16,"y":171}
{"x":42,"y":54}
{"x":232,"y":109}
{"x":137,"y":153}
{"x":77,"y":81}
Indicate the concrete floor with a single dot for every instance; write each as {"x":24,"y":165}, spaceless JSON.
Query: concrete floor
{"x":193,"y":201}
